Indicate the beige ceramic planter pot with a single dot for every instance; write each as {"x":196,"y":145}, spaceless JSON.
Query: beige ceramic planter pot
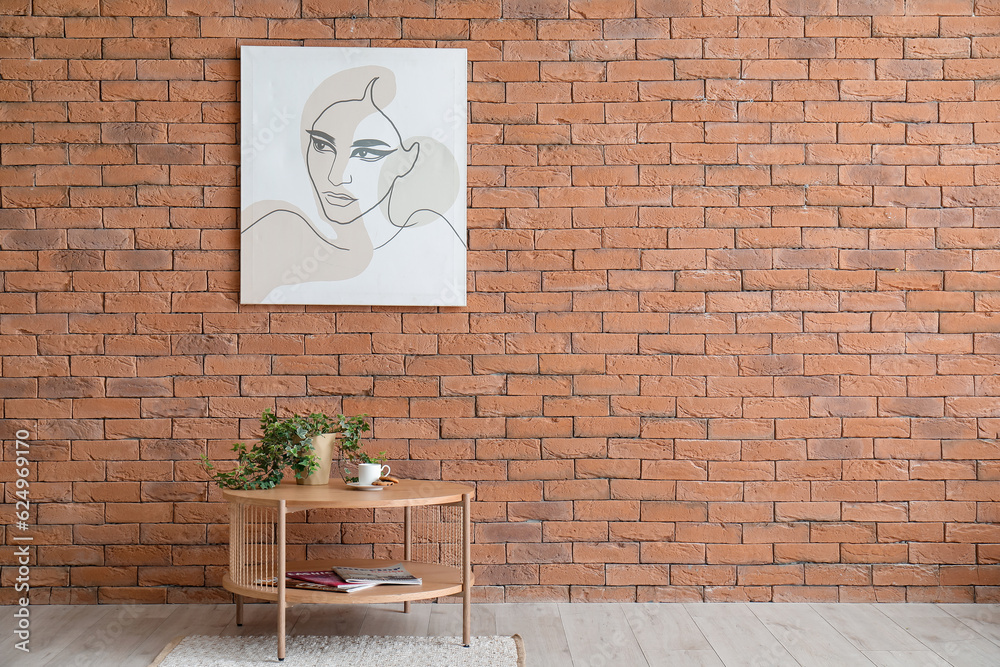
{"x":324,"y":447}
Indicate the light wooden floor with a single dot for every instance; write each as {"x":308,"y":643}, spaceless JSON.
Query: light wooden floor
{"x":555,"y":635}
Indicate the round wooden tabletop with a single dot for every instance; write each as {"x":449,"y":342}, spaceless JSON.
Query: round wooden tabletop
{"x":407,"y":493}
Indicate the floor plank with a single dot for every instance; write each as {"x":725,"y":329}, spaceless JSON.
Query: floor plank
{"x":66,"y":628}
{"x":738,"y":636}
{"x":707,"y":658}
{"x":43,"y":620}
{"x":662,"y":628}
{"x":109,"y":643}
{"x":969,"y":653}
{"x":327,"y":619}
{"x":946,"y":635}
{"x":446,"y":620}
{"x":906,"y":659}
{"x":541,"y":628}
{"x":600,"y":636}
{"x":389,"y":619}
{"x":929,"y":622}
{"x":868,"y":628}
{"x":185,"y":620}
{"x":258,"y":619}
{"x":983,"y":618}
{"x":807,"y":636}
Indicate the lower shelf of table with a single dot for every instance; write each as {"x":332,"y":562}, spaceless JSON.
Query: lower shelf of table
{"x":438,"y":581}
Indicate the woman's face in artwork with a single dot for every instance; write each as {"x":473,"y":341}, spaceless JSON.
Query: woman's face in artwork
{"x":350,"y":146}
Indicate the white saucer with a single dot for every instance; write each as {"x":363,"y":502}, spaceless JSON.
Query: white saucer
{"x":364,"y":487}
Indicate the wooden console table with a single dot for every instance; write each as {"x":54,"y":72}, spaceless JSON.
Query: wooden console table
{"x":257,"y":546}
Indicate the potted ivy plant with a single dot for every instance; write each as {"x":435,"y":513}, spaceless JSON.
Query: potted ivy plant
{"x":303,"y":443}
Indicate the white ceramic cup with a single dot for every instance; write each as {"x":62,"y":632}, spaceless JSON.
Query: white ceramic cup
{"x":368,"y":473}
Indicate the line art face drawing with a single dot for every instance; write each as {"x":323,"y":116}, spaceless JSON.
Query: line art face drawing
{"x":353,"y":176}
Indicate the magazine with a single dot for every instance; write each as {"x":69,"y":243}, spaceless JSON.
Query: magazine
{"x":306,"y":584}
{"x":394,"y":574}
{"x":324,"y":577}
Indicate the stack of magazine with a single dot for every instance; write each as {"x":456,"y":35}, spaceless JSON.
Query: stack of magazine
{"x":349,"y":579}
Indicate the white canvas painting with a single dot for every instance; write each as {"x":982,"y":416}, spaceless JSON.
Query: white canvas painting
{"x":353,"y":176}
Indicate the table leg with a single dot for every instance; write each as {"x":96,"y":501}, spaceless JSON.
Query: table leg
{"x":281,"y":580}
{"x":239,"y":610}
{"x":466,"y":568}
{"x":407,"y":544}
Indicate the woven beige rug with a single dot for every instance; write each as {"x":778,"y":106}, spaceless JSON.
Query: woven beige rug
{"x":310,"y":651}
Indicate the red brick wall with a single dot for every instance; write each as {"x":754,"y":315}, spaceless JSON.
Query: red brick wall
{"x":732,"y":328}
